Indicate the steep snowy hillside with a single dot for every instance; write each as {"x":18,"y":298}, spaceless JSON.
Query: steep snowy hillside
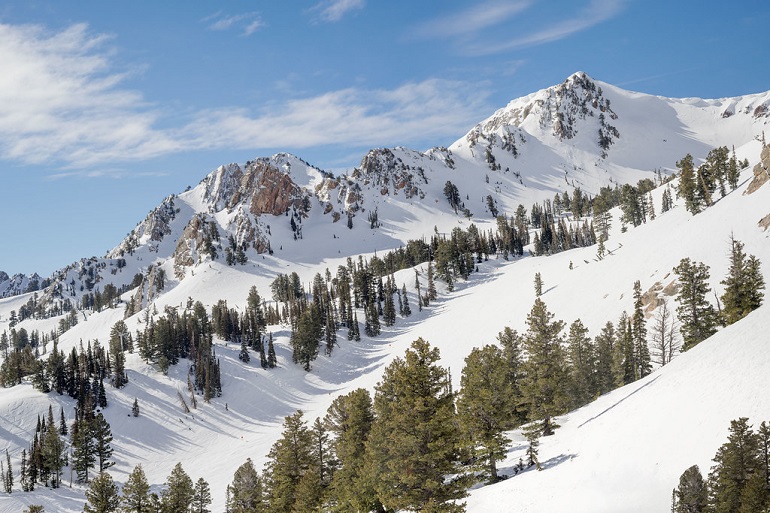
{"x":624,"y":452}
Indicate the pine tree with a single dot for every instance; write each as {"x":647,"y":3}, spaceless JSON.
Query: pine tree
{"x":538,"y":285}
{"x":642,"y":363}
{"x":288,"y":460}
{"x":201,"y":499}
{"x":271,"y":358}
{"x":691,"y":494}
{"x":246,"y":491}
{"x":26,"y":484}
{"x":696,"y":315}
{"x":581,"y":356}
{"x":178,"y":494}
{"x":102,"y":495}
{"x":84,"y":455}
{"x":102,"y":435}
{"x":414,"y":442}
{"x":734,"y":464}
{"x":743,"y":284}
{"x":349,"y":419}
{"x":688,"y":184}
{"x":542,"y":386}
{"x":605,"y":348}
{"x":8,"y":477}
{"x":135,"y":408}
{"x":532,"y":432}
{"x":485,"y":407}
{"x":53,"y":452}
{"x":136,"y":493}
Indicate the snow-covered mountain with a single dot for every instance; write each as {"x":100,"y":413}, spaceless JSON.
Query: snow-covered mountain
{"x":620,"y":453}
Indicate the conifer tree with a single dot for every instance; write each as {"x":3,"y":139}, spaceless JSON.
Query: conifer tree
{"x":136,"y":493}
{"x":288,"y":460}
{"x":734,"y":464}
{"x":178,"y":494}
{"x":538,"y":285}
{"x":24,"y":481}
{"x":697,"y":317}
{"x":8,"y":474}
{"x":532,"y":433}
{"x":691,"y":495}
{"x":542,"y":387}
{"x":484,"y":407}
{"x":743,"y":284}
{"x":246,"y":491}
{"x":135,"y":408}
{"x":271,"y":358}
{"x":102,"y":495}
{"x":84,"y":454}
{"x":605,"y":348}
{"x":407,"y":311}
{"x":53,"y":452}
{"x":201,"y":499}
{"x":581,"y":356}
{"x":102,"y":435}
{"x":688,"y":184}
{"x":414,"y":442}
{"x":639,"y":331}
{"x":513,"y":354}
{"x":349,"y":419}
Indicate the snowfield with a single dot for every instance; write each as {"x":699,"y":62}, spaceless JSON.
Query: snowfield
{"x":624,"y":452}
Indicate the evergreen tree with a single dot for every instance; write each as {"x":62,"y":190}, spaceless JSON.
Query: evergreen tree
{"x":84,"y":454}
{"x":542,"y":386}
{"x":271,"y":358}
{"x":406,"y":310}
{"x":118,"y":334}
{"x":688,"y":184}
{"x":102,"y":435}
{"x":485,"y":407}
{"x":413,"y":444}
{"x":306,"y":337}
{"x":743,"y":284}
{"x":246,"y":491}
{"x":8,"y":474}
{"x":178,"y":494}
{"x":642,"y":365}
{"x":513,"y":354}
{"x":288,"y":460}
{"x":691,"y":495}
{"x":349,"y":419}
{"x":581,"y":357}
{"x":136,"y":493}
{"x":201,"y":499}
{"x":605,"y":349}
{"x":538,"y":285}
{"x":135,"y":408}
{"x":532,"y":433}
{"x":102,"y":495}
{"x":696,"y":315}
{"x":734,"y":464}
{"x":53,"y":452}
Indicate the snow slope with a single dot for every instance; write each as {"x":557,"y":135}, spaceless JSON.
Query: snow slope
{"x":623,"y":452}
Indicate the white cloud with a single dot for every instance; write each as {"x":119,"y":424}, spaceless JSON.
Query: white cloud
{"x":334,"y":10}
{"x":248,"y":22}
{"x":410,"y":113}
{"x":63,"y":104}
{"x":472,"y":19}
{"x":594,"y":13}
{"x":60,"y":100}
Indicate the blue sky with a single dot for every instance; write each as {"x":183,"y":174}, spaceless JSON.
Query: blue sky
{"x":107,"y":107}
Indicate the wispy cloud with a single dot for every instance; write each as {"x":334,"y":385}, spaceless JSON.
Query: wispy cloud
{"x":63,"y":104}
{"x":410,"y":113}
{"x":247,"y":23}
{"x":472,"y":19}
{"x":331,"y":11}
{"x":61,"y":100}
{"x":597,"y":11}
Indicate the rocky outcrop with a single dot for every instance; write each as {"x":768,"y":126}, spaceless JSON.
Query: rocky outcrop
{"x":272,"y":191}
{"x":761,"y":171}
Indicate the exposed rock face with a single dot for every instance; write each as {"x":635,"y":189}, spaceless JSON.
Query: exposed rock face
{"x":382,"y":169}
{"x":761,"y":171}
{"x":222,"y":186}
{"x":272,"y":191}
{"x":189,"y":245}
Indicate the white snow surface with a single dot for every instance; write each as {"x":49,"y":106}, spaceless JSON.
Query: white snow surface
{"x":622,"y":453}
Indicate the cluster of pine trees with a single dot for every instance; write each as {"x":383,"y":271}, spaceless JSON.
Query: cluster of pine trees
{"x":187,"y":335}
{"x":179,"y":494}
{"x":743,"y":293}
{"x":698,"y":186}
{"x":739,"y":480}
